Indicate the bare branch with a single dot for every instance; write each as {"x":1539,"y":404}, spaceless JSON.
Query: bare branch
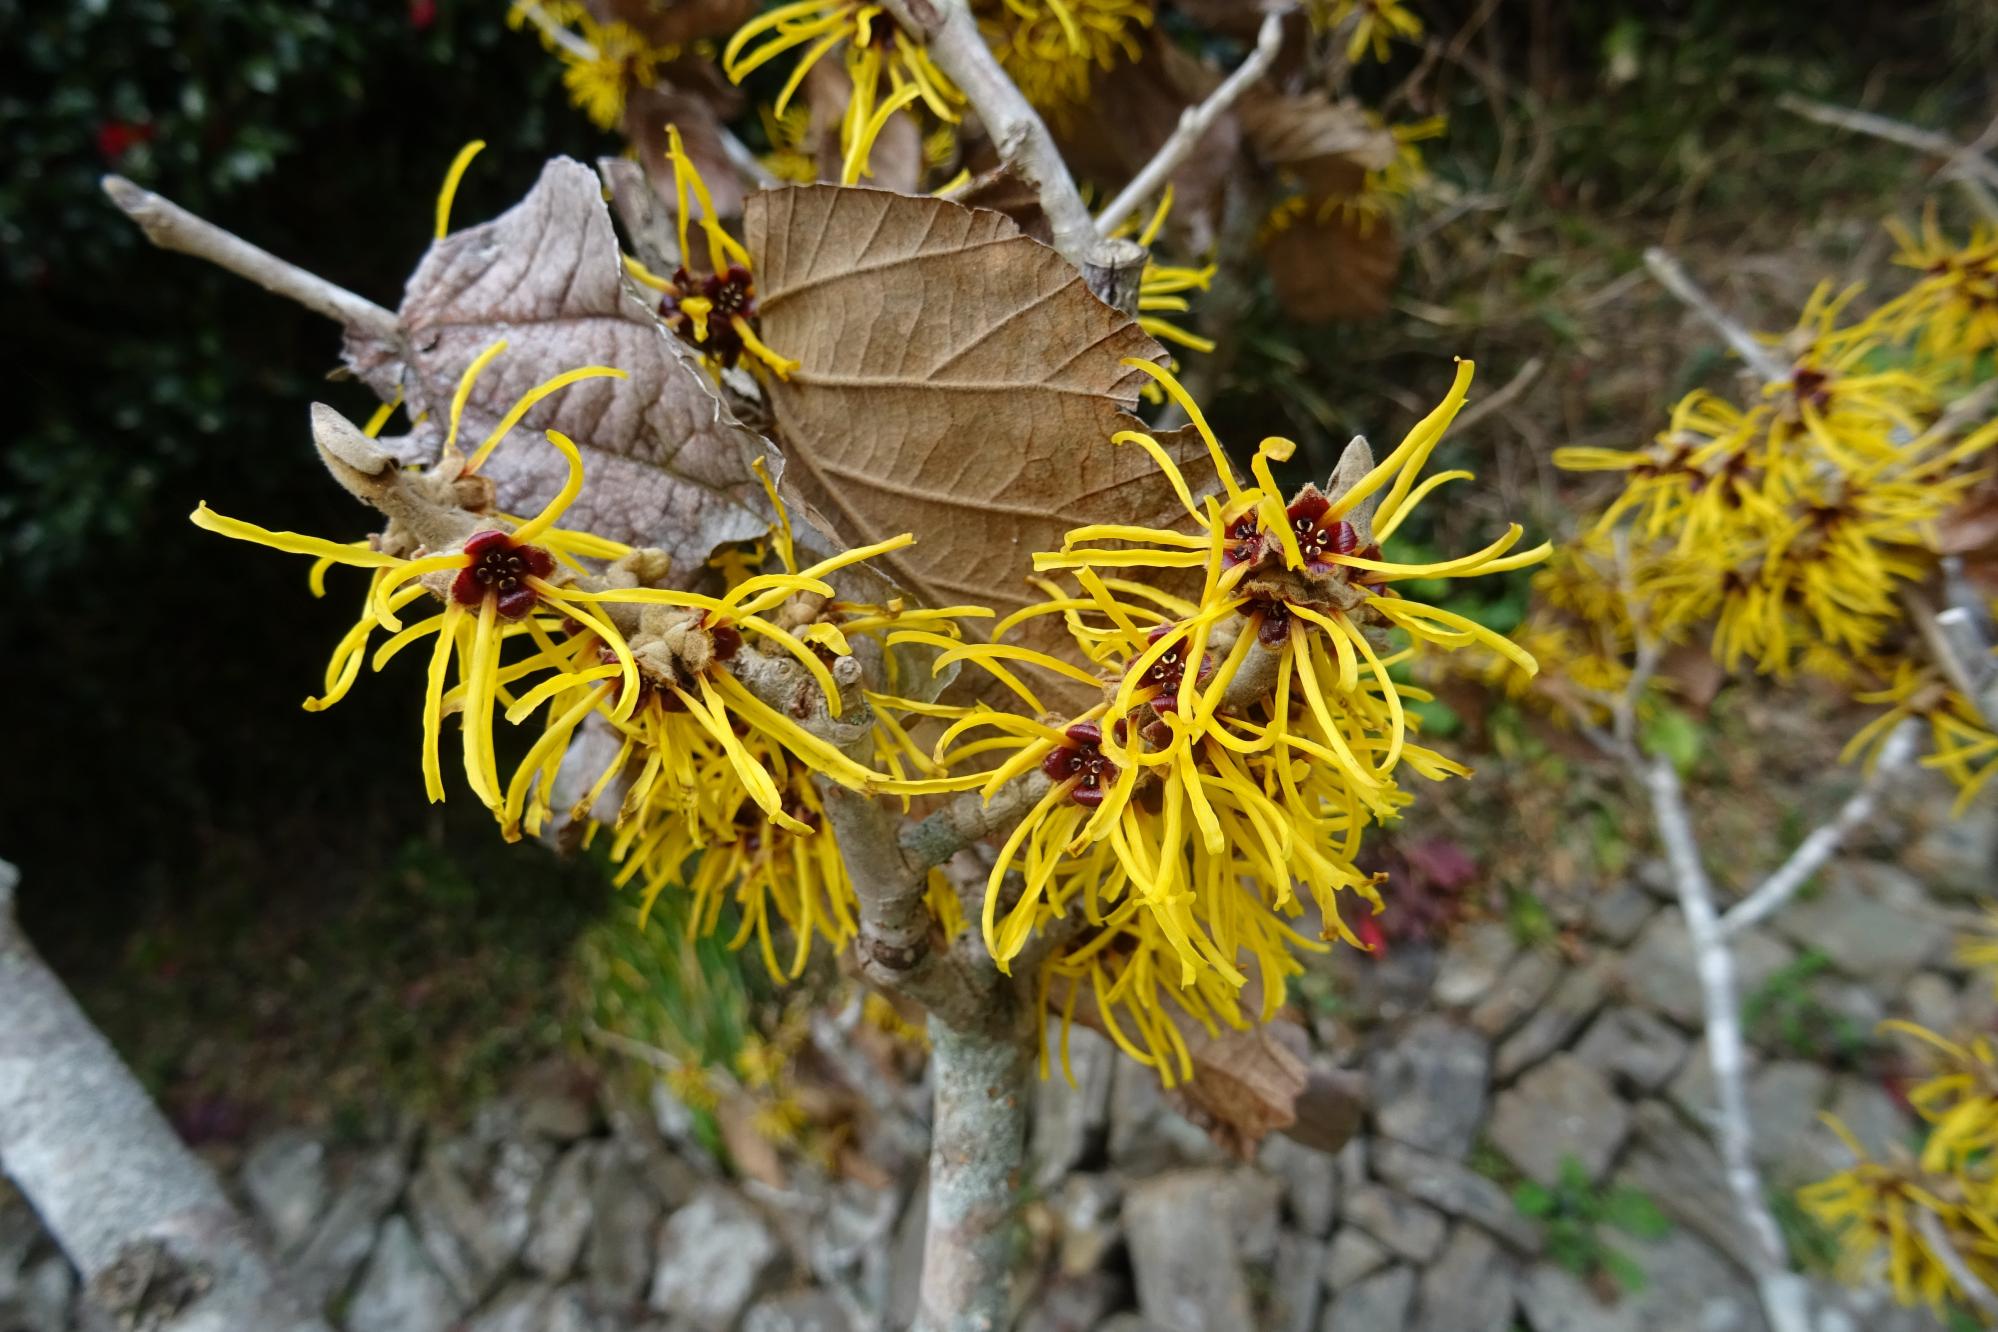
{"x":1521,"y":381}
{"x":1968,"y":1284}
{"x":951,"y":33}
{"x":172,"y":227}
{"x":1676,"y":280}
{"x":1194,"y":122}
{"x":1960,"y":161}
{"x":1825,"y":839}
{"x":978,"y":1150}
{"x":143,"y":1219}
{"x":1783,"y":1291}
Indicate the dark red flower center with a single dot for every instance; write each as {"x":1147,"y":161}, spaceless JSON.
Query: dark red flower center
{"x":1317,"y":535}
{"x":1245,"y":542}
{"x":729,"y":294}
{"x":500,"y":567}
{"x":1812,"y":386}
{"x":1170,"y":670}
{"x":1081,"y":761}
{"x":1272,"y":621}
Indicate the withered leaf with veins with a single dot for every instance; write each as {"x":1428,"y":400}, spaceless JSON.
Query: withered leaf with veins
{"x":667,"y":465}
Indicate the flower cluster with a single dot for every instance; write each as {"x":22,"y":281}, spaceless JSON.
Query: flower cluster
{"x":602,"y":63}
{"x":1904,"y":1207}
{"x":1790,"y":531}
{"x":1203,"y":815}
{"x":1053,"y":49}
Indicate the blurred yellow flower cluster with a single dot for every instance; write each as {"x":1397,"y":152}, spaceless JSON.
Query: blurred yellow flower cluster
{"x":1908,"y":1208}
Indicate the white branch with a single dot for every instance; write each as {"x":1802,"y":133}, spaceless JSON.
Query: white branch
{"x":141,"y":1218}
{"x":1783,"y":1291}
{"x":1968,"y":1283}
{"x":1194,"y":122}
{"x":951,"y":34}
{"x":1827,"y":837}
{"x":1961,"y":161}
{"x":172,"y":227}
{"x":1676,"y":280}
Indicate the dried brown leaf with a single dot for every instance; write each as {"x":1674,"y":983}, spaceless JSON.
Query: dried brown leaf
{"x":956,"y":380}
{"x":1300,"y":132}
{"x":1333,"y":269}
{"x":668,"y":465}
{"x":647,"y":113}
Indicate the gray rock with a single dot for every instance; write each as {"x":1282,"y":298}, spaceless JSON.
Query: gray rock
{"x":473,"y":1206}
{"x":905,"y":1256}
{"x":401,"y":1290}
{"x":557,"y":1104}
{"x":1862,"y":922}
{"x":1473,"y":963}
{"x":1353,"y":1254}
{"x":1555,"y":1300}
{"x":802,"y":1311}
{"x":624,"y":1217}
{"x":326,"y":1264}
{"x":1682,"y":1173}
{"x":1068,"y":1120}
{"x":1856,"y":1003}
{"x":1072,"y":1303}
{"x":522,"y":1306}
{"x":1689,"y":1288}
{"x":1555,"y":1022}
{"x":1188,"y":1274}
{"x":1405,"y":1226}
{"x":1783,"y":1101}
{"x":1297,"y":1284}
{"x":1310,"y":1182}
{"x":1524,"y":987}
{"x":1468,"y":1288}
{"x":1087,"y":1205}
{"x":285,"y":1179}
{"x":1378,"y":1303}
{"x":562,"y":1218}
{"x":1458,"y":1191}
{"x":1958,"y":856}
{"x":1692,"y":1089}
{"x":1429,"y":1086}
{"x":716,"y":1254}
{"x":1353,"y":1163}
{"x":1146,"y":1134}
{"x":1870,"y":1115}
{"x":1659,"y":972}
{"x":1255,"y":1202}
{"x":1619,"y":913}
{"x":1563,"y":1108}
{"x":1637,"y":1050}
{"x":1930,"y":1001}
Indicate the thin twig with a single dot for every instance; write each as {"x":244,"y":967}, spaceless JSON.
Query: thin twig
{"x":1961,"y":161}
{"x":1676,"y":280}
{"x":1194,"y":122}
{"x":1783,"y":1291}
{"x":1968,"y":1283}
{"x":1826,"y":839}
{"x":172,"y":227}
{"x":950,"y":32}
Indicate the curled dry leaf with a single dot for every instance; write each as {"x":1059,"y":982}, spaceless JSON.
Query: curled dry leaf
{"x":668,"y":465}
{"x":647,"y":113}
{"x":956,"y":380}
{"x":1340,"y":267}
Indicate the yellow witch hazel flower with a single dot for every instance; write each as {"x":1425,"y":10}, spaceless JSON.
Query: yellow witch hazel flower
{"x":1162,"y":287}
{"x":602,"y":63}
{"x":1053,"y":48}
{"x":1244,"y":738}
{"x":1954,"y":308}
{"x":877,"y":55}
{"x":1371,"y":26}
{"x":1898,"y":1210}
{"x":715,"y":313}
{"x":500,"y":583}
